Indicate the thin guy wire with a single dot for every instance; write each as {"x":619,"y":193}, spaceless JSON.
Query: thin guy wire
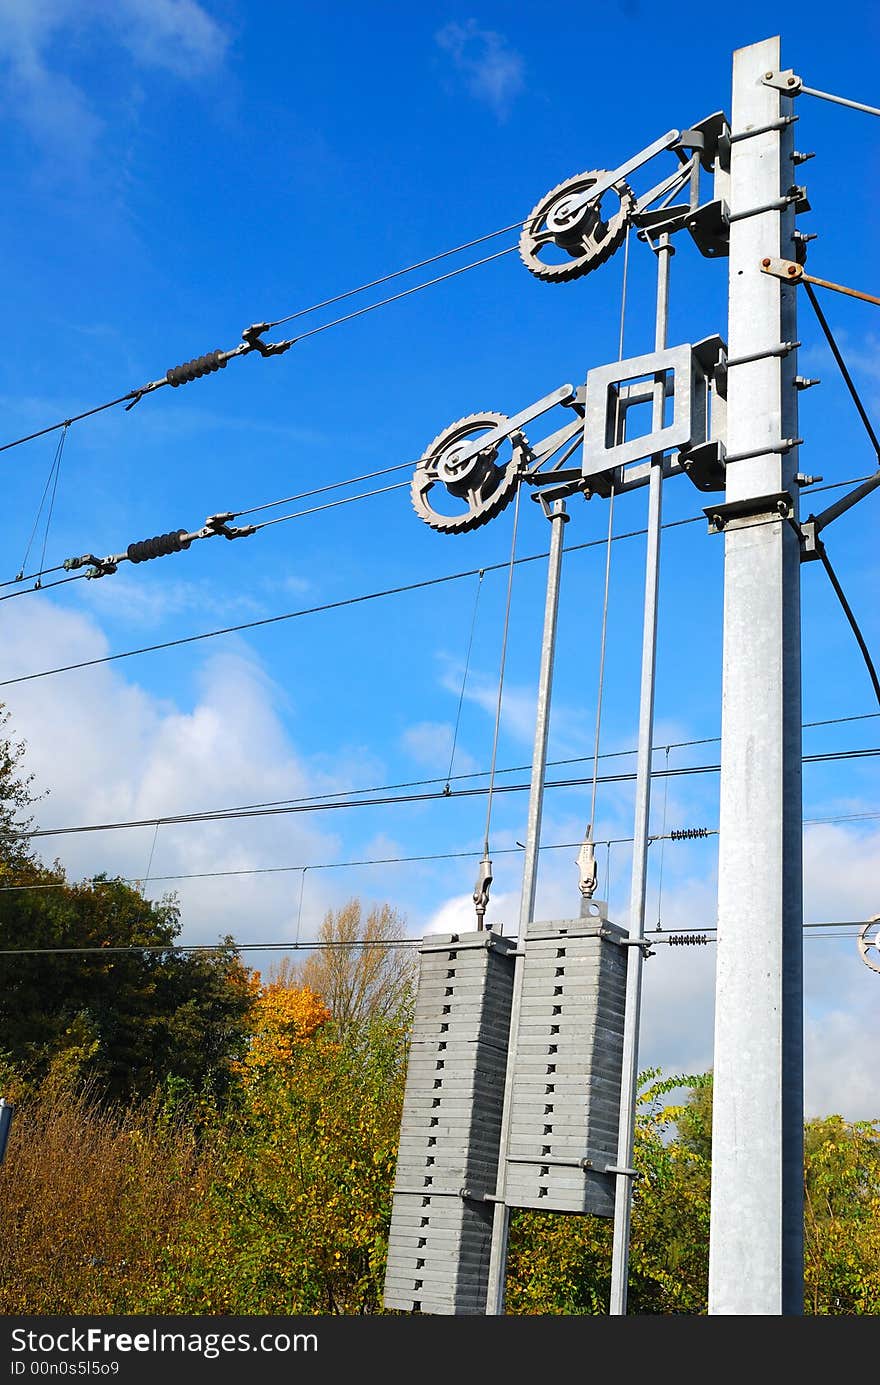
{"x":58,"y":455}
{"x":467,"y":664}
{"x":662,"y":844}
{"x":152,"y":849}
{"x":302,"y":886}
{"x":330,"y":505}
{"x":604,"y":634}
{"x":511,"y":566}
{"x":321,"y":490}
{"x":20,"y":577}
{"x":835,"y":351}
{"x":404,"y":293}
{"x":396,"y":274}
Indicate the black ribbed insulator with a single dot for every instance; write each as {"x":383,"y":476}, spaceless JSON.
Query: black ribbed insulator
{"x":158,"y":547}
{"x":688,"y":834}
{"x":194,"y":369}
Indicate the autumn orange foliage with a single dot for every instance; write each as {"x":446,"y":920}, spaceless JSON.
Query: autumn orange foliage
{"x":281,"y":1017}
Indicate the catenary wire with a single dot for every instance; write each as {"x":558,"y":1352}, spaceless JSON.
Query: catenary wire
{"x":15,"y":581}
{"x":135,"y":395}
{"x":276,"y":810}
{"x":96,"y":882}
{"x":357,"y":944}
{"x":325,"y":606}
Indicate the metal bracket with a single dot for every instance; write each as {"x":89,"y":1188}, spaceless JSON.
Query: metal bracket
{"x":811,"y":544}
{"x":785,"y":81}
{"x":643,"y":943}
{"x":787,"y":270}
{"x":685,"y":372}
{"x":756,"y":510}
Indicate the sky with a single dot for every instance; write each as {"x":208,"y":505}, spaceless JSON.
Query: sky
{"x":175,"y":171}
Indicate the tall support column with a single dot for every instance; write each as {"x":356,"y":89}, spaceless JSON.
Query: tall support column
{"x":501,"y":1221}
{"x":756,"y":1239}
{"x":641,"y":839}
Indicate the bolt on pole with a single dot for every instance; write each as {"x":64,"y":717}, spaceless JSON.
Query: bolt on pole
{"x":756,"y":1230}
{"x":629,"y":1073}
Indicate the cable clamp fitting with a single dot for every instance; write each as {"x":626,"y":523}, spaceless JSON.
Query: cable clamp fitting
{"x":252,"y":338}
{"x":219,"y":524}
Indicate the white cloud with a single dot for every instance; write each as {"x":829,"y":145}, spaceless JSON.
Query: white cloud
{"x":110,"y":750}
{"x":430,"y":745}
{"x":178,"y":36}
{"x":492,"y":71}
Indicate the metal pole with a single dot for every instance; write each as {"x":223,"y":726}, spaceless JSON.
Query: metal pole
{"x":556,"y":513}
{"x":5,"y":1122}
{"x":756,"y":1235}
{"x":629,"y":1071}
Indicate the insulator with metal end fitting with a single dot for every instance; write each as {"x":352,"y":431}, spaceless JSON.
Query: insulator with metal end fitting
{"x":157,"y":547}
{"x":194,"y":369}
{"x":687,"y":939}
{"x":688,"y":834}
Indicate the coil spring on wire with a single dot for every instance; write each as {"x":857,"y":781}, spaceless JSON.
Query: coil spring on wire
{"x":687,"y":939}
{"x":158,"y":546}
{"x":688,"y":834}
{"x":194,"y":369}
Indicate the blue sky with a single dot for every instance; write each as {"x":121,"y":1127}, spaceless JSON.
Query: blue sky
{"x":174,"y":171}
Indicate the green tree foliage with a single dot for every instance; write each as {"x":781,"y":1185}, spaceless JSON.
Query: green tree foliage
{"x":127,"y":1020}
{"x":296,"y":1221}
{"x":842,"y":1216}
{"x":562,"y":1264}
{"x":16,"y":798}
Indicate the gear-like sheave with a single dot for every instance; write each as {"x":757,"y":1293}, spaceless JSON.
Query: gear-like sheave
{"x":479,"y":483}
{"x":869,"y":943}
{"x":579,"y":230}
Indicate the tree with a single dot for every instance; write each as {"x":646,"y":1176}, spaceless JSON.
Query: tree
{"x":128,"y":1019}
{"x":360,"y":972}
{"x":16,"y":798}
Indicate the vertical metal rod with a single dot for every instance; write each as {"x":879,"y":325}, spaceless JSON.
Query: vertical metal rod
{"x":641,"y":841}
{"x":498,"y":1255}
{"x":6,"y":1111}
{"x":756,"y":1230}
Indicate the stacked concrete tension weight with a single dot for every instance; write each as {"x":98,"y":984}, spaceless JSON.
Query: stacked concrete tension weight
{"x":564,"y":1104}
{"x":441,"y":1222}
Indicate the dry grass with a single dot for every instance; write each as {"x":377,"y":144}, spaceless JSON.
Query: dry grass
{"x":89,"y":1199}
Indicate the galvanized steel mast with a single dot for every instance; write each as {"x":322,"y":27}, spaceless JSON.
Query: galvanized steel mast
{"x":756,"y":1238}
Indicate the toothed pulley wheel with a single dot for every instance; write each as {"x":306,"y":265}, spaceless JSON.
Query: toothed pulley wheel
{"x":567,"y":223}
{"x":869,"y":943}
{"x":455,"y":492}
